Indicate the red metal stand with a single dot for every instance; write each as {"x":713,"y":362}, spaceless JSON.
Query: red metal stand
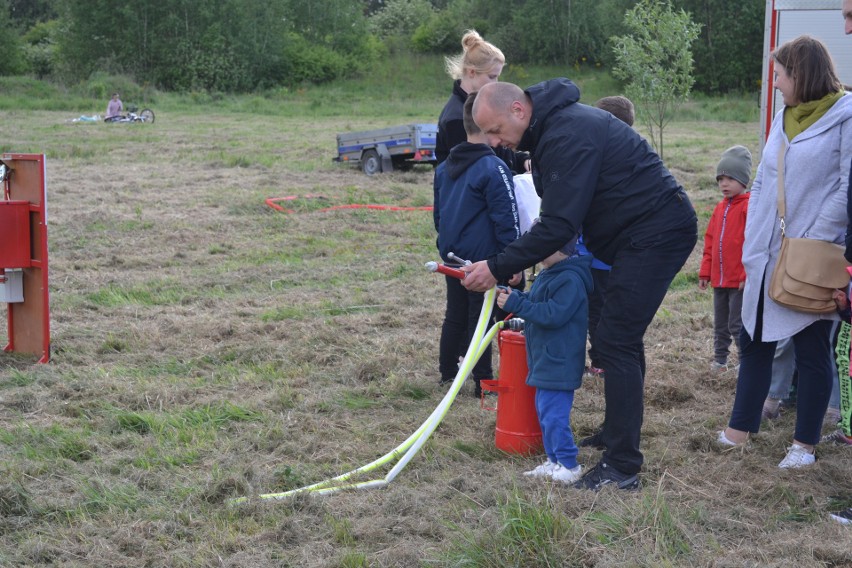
{"x":23,"y":245}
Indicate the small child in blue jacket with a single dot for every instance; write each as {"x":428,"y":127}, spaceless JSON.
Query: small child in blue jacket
{"x":476,"y":217}
{"x":555,"y":314}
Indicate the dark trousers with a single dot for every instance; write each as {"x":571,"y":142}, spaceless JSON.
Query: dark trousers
{"x":812,"y":347}
{"x":460,"y":319}
{"x":638,"y":282}
{"x":727,"y":321}
{"x":596,"y":302}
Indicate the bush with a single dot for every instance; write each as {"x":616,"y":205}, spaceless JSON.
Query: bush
{"x":441,"y":33}
{"x":12,"y":60}
{"x":400,"y":18}
{"x":101,"y":86}
{"x":303,"y":62}
{"x":40,"y":48}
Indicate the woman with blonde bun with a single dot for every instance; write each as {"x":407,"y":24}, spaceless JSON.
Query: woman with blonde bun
{"x":479,"y":63}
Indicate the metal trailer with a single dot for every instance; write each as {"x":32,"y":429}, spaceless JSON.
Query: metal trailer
{"x":386,"y":149}
{"x":788,"y":19}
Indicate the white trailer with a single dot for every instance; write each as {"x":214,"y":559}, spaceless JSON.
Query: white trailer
{"x":387,"y":149}
{"x":788,"y":19}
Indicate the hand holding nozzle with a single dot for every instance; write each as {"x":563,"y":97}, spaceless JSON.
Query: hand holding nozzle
{"x":444,"y":269}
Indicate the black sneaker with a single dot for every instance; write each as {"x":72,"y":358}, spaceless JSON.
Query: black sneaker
{"x":593,"y":441}
{"x":602,"y":474}
{"x":844,"y":516}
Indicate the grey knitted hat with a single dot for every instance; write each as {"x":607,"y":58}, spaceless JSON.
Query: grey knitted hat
{"x":735,"y":163}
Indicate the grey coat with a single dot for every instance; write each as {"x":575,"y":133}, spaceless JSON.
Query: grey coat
{"x":816,"y":176}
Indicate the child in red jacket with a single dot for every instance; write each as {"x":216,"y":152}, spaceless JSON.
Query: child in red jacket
{"x":722,"y":265}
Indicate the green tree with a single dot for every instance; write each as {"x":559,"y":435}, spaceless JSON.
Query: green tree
{"x":12,"y":61}
{"x":40,"y":48}
{"x":655,"y":60}
{"x":729,"y":51}
{"x":400,"y":17}
{"x":217,"y":45}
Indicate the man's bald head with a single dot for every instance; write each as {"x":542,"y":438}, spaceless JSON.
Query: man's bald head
{"x":500,"y":96}
{"x":502,"y":111}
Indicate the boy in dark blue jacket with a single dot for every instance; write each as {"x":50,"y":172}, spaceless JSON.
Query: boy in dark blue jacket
{"x":476,"y":217}
{"x":556,"y":315}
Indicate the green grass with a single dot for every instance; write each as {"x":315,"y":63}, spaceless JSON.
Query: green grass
{"x":153,"y":293}
{"x":190,"y":424}
{"x":51,"y":444}
{"x":528,"y":535}
{"x":383,"y":92}
{"x":206,"y":347}
{"x":647,"y":523}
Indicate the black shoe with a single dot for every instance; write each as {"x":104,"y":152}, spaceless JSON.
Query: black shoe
{"x":593,"y":441}
{"x":477,"y":389}
{"x":603,"y":474}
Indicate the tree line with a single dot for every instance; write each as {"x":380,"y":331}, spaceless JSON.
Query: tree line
{"x":248,"y":45}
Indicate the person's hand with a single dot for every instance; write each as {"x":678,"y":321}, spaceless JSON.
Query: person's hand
{"x":702,"y":284}
{"x":478,"y":277}
{"x":516,"y":279}
{"x":741,"y":286}
{"x":528,"y":165}
{"x":502,"y":297}
{"x":840,"y":300}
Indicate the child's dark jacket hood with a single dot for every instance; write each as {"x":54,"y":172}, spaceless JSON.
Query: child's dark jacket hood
{"x":463,"y":155}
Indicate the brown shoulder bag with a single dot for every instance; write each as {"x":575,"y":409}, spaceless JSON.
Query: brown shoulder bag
{"x":808,"y":270}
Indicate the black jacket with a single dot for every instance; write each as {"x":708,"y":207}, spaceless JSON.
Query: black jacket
{"x":595,"y":172}
{"x":475,"y":211}
{"x":451,"y":132}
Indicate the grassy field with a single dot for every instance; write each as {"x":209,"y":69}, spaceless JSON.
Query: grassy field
{"x":207,"y":347}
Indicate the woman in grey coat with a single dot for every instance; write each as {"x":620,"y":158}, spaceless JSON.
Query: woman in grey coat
{"x":814,"y":134}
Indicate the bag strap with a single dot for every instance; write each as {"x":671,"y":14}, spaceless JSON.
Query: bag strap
{"x":782,"y":204}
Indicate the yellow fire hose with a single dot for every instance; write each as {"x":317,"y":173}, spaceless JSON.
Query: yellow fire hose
{"x":404,"y":452}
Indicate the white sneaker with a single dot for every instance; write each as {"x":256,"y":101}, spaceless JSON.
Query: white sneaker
{"x":722,"y":439}
{"x":797,"y":457}
{"x":564,"y":475}
{"x":543,"y":470}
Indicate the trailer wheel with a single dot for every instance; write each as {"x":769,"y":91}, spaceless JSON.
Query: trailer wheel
{"x":370,"y":163}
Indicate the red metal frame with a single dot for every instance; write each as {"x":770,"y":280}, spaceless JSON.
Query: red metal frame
{"x":29,"y":321}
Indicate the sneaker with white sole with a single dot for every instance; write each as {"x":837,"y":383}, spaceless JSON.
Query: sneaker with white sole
{"x":564,"y":475}
{"x":603,"y":474}
{"x":843,"y":517}
{"x":724,"y":440}
{"x":797,"y":457}
{"x":544,"y":470}
{"x":837,"y":437}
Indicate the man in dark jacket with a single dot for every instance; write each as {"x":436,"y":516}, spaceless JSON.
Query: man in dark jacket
{"x":595,"y":172}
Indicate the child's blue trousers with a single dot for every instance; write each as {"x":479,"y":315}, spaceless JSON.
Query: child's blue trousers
{"x":554,"y":415}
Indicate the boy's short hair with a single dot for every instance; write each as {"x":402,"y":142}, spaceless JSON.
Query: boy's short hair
{"x":470,"y":126}
{"x":620,"y":107}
